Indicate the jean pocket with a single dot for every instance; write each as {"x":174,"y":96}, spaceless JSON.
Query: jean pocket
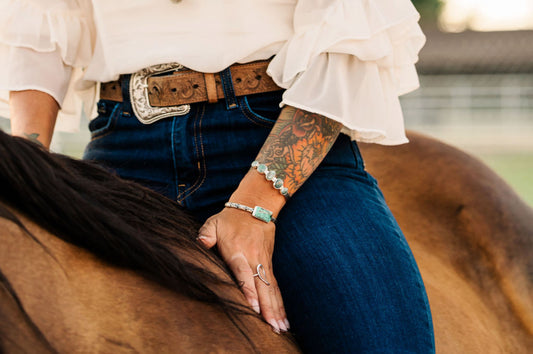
{"x":104,"y":123}
{"x":263,"y":108}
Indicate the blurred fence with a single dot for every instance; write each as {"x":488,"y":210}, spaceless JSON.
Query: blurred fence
{"x":480,"y":112}
{"x":477,"y":94}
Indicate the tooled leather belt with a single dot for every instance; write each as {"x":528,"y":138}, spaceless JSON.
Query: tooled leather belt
{"x":187,"y":86}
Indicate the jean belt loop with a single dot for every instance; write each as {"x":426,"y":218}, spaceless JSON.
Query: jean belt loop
{"x":229,"y":92}
{"x":126,"y":100}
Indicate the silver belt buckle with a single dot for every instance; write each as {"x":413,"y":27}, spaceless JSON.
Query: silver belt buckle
{"x":140,"y":103}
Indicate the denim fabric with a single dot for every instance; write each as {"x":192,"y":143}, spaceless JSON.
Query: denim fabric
{"x":348,"y":279}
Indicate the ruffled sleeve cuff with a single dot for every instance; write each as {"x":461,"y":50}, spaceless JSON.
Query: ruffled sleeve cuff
{"x":44,"y":45}
{"x":47,"y":25}
{"x":349,"y":60}
{"x":26,"y":69}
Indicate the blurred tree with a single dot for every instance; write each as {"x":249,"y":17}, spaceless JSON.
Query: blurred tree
{"x":429,"y":10}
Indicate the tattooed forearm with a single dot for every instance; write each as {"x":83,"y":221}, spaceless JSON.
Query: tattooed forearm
{"x":33,"y":137}
{"x":297,"y":144}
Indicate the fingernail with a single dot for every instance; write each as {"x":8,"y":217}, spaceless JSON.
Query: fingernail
{"x":287,"y":324}
{"x":199,"y":238}
{"x":282,"y":326}
{"x":255,"y":306}
{"x":275,"y":326}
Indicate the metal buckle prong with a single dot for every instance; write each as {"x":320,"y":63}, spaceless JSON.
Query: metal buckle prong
{"x":140,"y":102}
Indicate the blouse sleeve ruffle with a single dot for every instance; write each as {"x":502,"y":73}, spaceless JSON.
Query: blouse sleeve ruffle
{"x":44,"y":25}
{"x":350,"y":60}
{"x":63,"y":27}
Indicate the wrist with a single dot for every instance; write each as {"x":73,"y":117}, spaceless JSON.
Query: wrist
{"x":254,"y":190}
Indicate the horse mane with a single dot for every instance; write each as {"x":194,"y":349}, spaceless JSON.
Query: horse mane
{"x":121,"y":222}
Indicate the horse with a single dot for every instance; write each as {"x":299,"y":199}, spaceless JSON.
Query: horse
{"x":93,"y":263}
{"x":472,"y":238}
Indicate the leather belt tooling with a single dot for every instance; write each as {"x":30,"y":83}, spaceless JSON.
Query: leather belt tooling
{"x":155,"y":96}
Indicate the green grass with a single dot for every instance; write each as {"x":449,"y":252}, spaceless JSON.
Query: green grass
{"x":516,"y":169}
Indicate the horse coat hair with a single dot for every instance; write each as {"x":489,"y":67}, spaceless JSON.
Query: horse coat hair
{"x":129,"y":228}
{"x":90,"y":262}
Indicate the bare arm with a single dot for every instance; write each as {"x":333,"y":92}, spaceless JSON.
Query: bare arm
{"x":33,"y":115}
{"x":297,"y":144}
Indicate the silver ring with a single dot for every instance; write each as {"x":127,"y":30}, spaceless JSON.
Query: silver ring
{"x":261,"y":274}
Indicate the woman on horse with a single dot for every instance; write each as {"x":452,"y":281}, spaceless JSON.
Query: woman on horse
{"x":189,"y":105}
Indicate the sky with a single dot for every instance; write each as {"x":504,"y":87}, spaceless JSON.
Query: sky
{"x":487,"y":15}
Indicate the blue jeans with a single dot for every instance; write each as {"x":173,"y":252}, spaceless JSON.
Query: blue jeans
{"x":347,"y":275}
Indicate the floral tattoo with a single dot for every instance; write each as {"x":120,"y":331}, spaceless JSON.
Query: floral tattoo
{"x":297,"y":144}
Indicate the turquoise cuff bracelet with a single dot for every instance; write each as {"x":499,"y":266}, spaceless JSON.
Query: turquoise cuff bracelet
{"x":257,"y":212}
{"x":271,"y":176}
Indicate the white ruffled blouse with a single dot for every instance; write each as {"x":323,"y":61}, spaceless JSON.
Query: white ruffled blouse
{"x":348,"y":60}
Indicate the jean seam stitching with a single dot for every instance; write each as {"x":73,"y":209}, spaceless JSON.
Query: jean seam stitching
{"x":111,"y":123}
{"x":227,"y":85}
{"x":180,"y":193}
{"x":172,"y":138}
{"x":202,"y":170}
{"x":258,"y":116}
{"x":246,"y":112}
{"x":425,"y":299}
{"x":360,"y":163}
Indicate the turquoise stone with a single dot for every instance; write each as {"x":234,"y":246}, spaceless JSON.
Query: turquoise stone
{"x":255,"y":164}
{"x":262,"y":168}
{"x":278,"y":183}
{"x":270,"y":175}
{"x":262,"y":214}
{"x":284,"y":191}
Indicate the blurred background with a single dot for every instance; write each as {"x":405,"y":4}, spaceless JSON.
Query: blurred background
{"x":476,"y":75}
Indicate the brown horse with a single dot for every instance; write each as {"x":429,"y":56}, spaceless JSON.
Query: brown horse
{"x":91,"y":263}
{"x":472,"y":238}
{"x":471,"y":235}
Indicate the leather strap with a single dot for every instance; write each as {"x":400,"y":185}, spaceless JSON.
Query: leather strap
{"x":188,"y":86}
{"x":111,"y":91}
{"x":211,"y":87}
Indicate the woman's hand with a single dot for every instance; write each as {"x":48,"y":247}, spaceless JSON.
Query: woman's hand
{"x":245,"y":242}
{"x":295,"y":147}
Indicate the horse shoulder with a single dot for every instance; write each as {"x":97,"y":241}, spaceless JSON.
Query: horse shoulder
{"x":18,"y":332}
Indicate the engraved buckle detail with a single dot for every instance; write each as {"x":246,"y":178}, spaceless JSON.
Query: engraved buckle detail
{"x":139,"y":95}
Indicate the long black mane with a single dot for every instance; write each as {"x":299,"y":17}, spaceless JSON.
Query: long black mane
{"x":119,"y":221}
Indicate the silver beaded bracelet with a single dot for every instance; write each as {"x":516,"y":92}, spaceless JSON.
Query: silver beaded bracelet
{"x":271,"y":176}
